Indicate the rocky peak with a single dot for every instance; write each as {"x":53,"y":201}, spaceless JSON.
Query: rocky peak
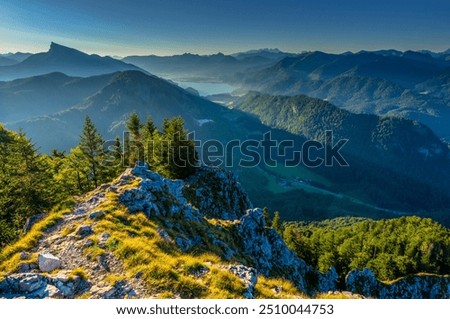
{"x":208,"y":213}
{"x":210,"y":192}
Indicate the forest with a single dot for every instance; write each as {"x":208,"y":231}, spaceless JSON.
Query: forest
{"x":391,"y":248}
{"x":32,"y":183}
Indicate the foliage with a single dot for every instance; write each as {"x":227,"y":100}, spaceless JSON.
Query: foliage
{"x":26,"y":186}
{"x":391,"y":248}
{"x":169,"y":152}
{"x":276,"y":222}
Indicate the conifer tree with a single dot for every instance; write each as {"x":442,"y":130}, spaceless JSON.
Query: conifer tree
{"x":276,"y":222}
{"x":135,"y":143}
{"x":91,"y":145}
{"x":266,"y":214}
{"x":178,"y":152}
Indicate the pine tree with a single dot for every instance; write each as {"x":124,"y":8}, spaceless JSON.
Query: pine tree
{"x":134,"y":126}
{"x":149,"y":128}
{"x":135,"y":143}
{"x":178,"y":152}
{"x":266,"y":214}
{"x":26,"y":186}
{"x":91,"y":144}
{"x":276,"y":222}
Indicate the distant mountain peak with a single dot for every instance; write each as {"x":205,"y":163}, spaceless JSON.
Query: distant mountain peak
{"x":58,"y":48}
{"x":60,"y":58}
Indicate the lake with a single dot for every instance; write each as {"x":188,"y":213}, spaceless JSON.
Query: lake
{"x":205,"y":88}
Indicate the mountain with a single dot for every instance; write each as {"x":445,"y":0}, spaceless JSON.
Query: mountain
{"x":5,"y":61}
{"x":144,"y":236}
{"x":18,"y":56}
{"x":45,"y":94}
{"x":202,"y":68}
{"x":65,"y":60}
{"x":383,"y":83}
{"x":269,"y":54}
{"x":120,"y":241}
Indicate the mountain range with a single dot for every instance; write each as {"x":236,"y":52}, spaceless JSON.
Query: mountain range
{"x":206,"y":68}
{"x":411,"y":156}
{"x":410,"y":84}
{"x":110,"y":99}
{"x":63,"y":59}
{"x":401,"y":84}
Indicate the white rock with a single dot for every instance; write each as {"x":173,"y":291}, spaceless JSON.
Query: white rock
{"x":48,"y":262}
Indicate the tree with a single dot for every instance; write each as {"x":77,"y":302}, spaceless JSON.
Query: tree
{"x":276,"y":222}
{"x":134,"y":126}
{"x":91,"y":145}
{"x":179,"y":158}
{"x":149,"y":128}
{"x":266,"y":215}
{"x":26,"y":185}
{"x":134,"y":142}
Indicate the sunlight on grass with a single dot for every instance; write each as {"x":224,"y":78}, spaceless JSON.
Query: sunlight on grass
{"x":275,"y":288}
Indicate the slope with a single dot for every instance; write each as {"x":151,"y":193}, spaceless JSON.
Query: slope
{"x":65,"y":60}
{"x":141,"y":236}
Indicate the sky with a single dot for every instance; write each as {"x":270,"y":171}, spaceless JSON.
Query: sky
{"x":167,"y":27}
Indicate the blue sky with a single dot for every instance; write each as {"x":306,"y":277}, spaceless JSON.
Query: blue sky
{"x":166,"y":27}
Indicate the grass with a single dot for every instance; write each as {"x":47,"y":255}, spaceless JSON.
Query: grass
{"x":10,"y":255}
{"x":275,"y":288}
{"x":78,"y":272}
{"x":166,"y":271}
{"x":113,"y":279}
{"x":335,"y":295}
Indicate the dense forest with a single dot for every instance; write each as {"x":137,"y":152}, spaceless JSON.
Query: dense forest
{"x":31,"y":183}
{"x":391,"y":248}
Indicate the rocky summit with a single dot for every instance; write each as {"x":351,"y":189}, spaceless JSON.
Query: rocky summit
{"x":145,"y":236}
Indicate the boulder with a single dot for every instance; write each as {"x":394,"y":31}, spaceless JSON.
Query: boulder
{"x":249,"y":277}
{"x":84,"y":231}
{"x":47,"y":262}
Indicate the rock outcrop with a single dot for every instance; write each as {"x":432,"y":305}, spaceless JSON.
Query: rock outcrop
{"x":217,"y":194}
{"x":411,"y":287}
{"x":272,"y":257}
{"x":31,"y":285}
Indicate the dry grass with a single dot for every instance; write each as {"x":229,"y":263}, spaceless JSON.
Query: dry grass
{"x":10,"y":255}
{"x":275,"y":288}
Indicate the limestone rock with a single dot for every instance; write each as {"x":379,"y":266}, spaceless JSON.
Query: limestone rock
{"x":48,"y":262}
{"x":270,"y":254}
{"x":96,"y":214}
{"x":248,"y":275}
{"x":413,"y":286}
